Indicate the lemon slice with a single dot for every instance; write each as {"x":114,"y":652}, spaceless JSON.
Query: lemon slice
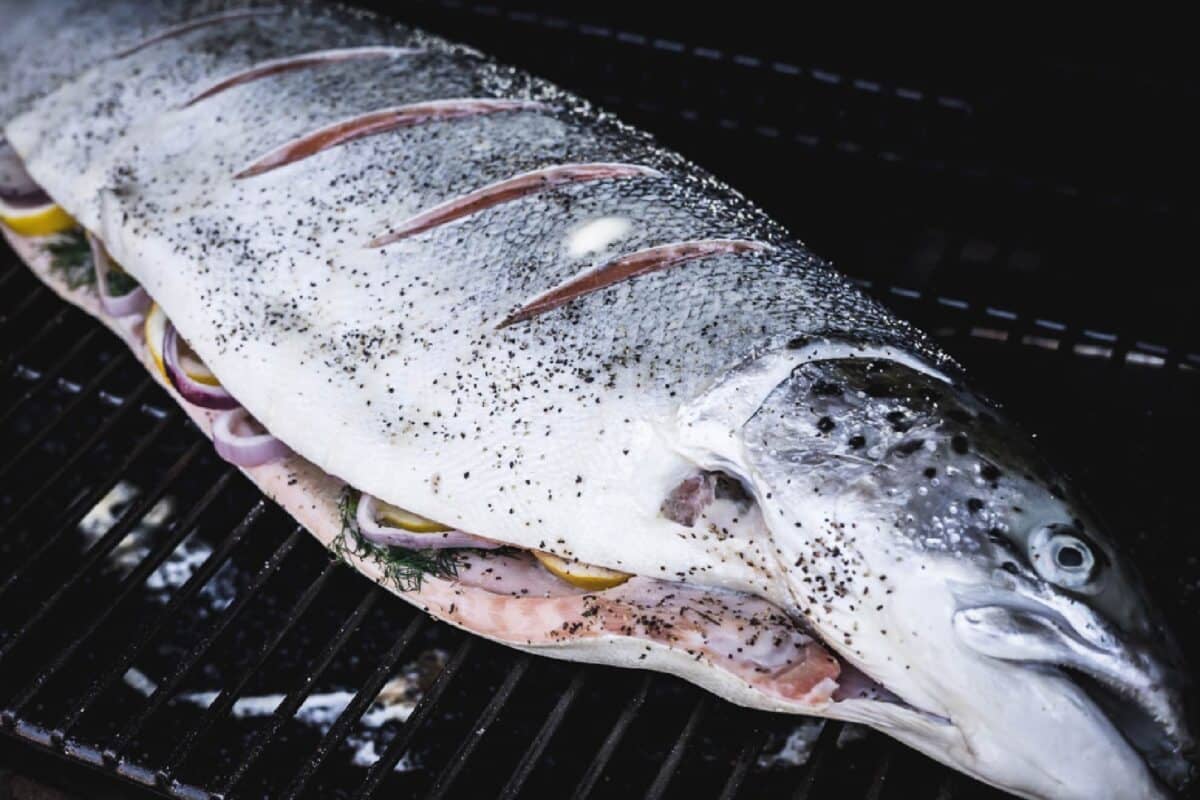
{"x":44,"y":220}
{"x":576,"y":573}
{"x":24,"y":207}
{"x":154,"y":329}
{"x":406,"y":520}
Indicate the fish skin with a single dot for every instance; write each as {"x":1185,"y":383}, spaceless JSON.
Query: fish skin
{"x":38,"y":52}
{"x":564,"y":432}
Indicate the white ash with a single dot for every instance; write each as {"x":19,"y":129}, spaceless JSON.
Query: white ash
{"x":796,"y":749}
{"x":367,"y":739}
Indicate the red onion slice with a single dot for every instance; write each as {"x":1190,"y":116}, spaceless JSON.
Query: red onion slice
{"x":17,"y":189}
{"x":196,"y":393}
{"x":398,"y":537}
{"x":133,"y":302}
{"x":240,"y":440}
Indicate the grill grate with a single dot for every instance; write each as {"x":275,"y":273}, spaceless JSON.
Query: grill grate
{"x":71,"y":632}
{"x":114,"y":625}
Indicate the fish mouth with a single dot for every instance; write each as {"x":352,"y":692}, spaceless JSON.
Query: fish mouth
{"x":1141,"y":697}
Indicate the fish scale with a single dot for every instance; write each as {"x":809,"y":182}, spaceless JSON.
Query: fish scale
{"x":425,"y":372}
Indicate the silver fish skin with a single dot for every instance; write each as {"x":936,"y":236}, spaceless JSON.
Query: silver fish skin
{"x":912,"y":527}
{"x":38,"y":52}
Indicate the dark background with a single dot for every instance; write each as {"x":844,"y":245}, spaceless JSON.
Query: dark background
{"x":1027,"y":199}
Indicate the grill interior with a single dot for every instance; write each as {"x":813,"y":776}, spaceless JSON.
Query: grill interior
{"x":164,"y":630}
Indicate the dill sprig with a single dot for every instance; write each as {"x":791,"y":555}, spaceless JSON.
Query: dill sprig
{"x":120,"y":283}
{"x":71,"y":256}
{"x":403,"y":567}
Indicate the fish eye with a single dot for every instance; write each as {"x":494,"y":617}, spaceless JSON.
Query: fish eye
{"x":1061,"y":555}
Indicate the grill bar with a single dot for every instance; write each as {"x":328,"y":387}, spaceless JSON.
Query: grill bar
{"x":166,"y":689}
{"x":396,"y":748}
{"x":130,"y":582}
{"x":746,"y":757}
{"x":102,"y":547}
{"x":675,"y":756}
{"x":540,"y":741}
{"x":879,"y":779}
{"x":185,"y":592}
{"x":51,"y":374}
{"x":588,"y":782}
{"x":223,"y":704}
{"x":482,"y":724}
{"x":47,"y":328}
{"x":70,"y":519}
{"x":17,"y":269}
{"x":38,"y":292}
{"x":826,"y":741}
{"x":355,"y":708}
{"x":119,"y":415}
{"x":74,"y":404}
{"x":287,"y":708}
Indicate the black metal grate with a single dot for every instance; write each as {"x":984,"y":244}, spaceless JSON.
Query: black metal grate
{"x":111,"y":629}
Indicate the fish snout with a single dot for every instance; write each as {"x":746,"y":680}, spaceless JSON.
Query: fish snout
{"x":1140,"y":693}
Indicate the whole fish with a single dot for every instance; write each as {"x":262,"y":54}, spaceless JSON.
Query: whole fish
{"x":562,"y":388}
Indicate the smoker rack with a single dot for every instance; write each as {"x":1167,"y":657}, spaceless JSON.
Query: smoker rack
{"x":79,"y":416}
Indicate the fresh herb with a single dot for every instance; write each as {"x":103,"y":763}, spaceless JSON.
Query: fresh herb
{"x":403,"y":567}
{"x":120,"y":283}
{"x":71,"y":257}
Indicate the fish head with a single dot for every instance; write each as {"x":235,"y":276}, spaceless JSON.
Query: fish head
{"x":998,"y":625}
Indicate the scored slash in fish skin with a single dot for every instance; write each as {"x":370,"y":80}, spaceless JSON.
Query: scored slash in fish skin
{"x":508,"y":190}
{"x":196,"y":24}
{"x":643,"y":262}
{"x":379,"y":122}
{"x":293,"y":63}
